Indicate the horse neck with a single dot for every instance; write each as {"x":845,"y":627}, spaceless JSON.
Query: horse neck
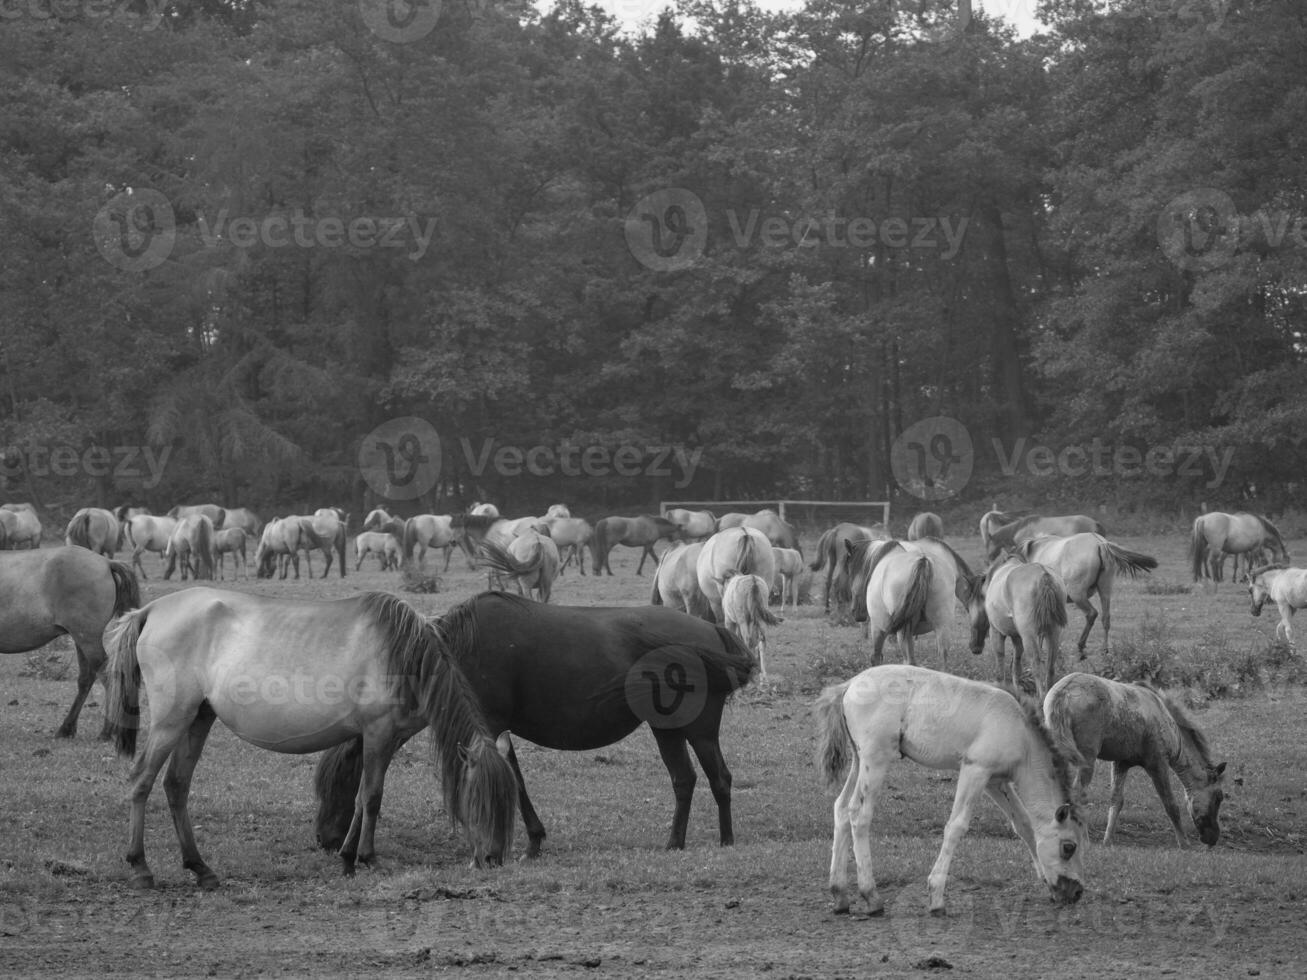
{"x":1036,"y":779}
{"x":1187,"y":762}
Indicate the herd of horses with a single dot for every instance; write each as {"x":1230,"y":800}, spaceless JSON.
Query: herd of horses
{"x":579,"y":678}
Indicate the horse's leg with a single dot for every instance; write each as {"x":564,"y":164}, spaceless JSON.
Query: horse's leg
{"x":878,"y":638}
{"x":842,"y":841}
{"x":972,"y":780}
{"x":1119,"y":771}
{"x":909,"y":648}
{"x":1286,"y":614}
{"x":177,"y":786}
{"x":1000,"y":653}
{"x":676,"y":757}
{"x":86,"y":671}
{"x":708,"y":750}
{"x":167,"y":726}
{"x":645,"y":552}
{"x":1159,"y":771}
{"x":1018,"y":661}
{"x":535,"y":830}
{"x":1105,"y":597}
{"x":136,"y":561}
{"x":1001,"y":793}
{"x":359,"y":845}
{"x":871,"y":769}
{"x":1091,"y":616}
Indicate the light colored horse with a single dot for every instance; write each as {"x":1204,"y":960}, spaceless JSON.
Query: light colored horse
{"x":572,"y":535}
{"x":745,"y":613}
{"x":925,"y":525}
{"x":1087,"y":563}
{"x":994,"y":743}
{"x":676,"y":581}
{"x":530,"y":560}
{"x":215,"y":513}
{"x":280,"y":540}
{"x":1136,"y":725}
{"x":557,"y":510}
{"x":695,"y":525}
{"x":21,"y":526}
{"x":907,"y":589}
{"x":1216,"y":535}
{"x":831,"y":548}
{"x":999,"y":531}
{"x":383,"y":544}
{"x":635,"y":532}
{"x":96,"y":529}
{"x":243,"y":518}
{"x":203,"y":655}
{"x":736,"y":550}
{"x":1026,"y":603}
{"x":483,"y":510}
{"x":191,"y":543}
{"x":1286,"y":587}
{"x":790,"y":568}
{"x":424,"y":531}
{"x":780,"y":534}
{"x":145,"y":532}
{"x":331,"y":525}
{"x":231,"y":541}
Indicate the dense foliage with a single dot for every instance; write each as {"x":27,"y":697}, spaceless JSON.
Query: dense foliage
{"x":1087,"y":240}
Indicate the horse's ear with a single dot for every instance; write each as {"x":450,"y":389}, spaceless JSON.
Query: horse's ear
{"x":1063,"y":812}
{"x":848,"y":546}
{"x":504,"y":743}
{"x":1220,"y":769}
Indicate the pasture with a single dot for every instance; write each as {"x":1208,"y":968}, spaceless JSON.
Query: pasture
{"x":605,"y":899}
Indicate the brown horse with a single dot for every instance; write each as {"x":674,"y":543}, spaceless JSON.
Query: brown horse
{"x":1216,"y":535}
{"x":634,"y":532}
{"x":831,"y":549}
{"x":996,"y":536}
{"x":49,"y":592}
{"x":95,"y":529}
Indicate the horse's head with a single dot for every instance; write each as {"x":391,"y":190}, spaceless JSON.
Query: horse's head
{"x":488,"y":780}
{"x":1257,"y":590}
{"x":1059,"y":845}
{"x":1205,"y":804}
{"x":977,"y":612}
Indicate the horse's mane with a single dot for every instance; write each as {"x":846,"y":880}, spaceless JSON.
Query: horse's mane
{"x":1262,"y":569}
{"x":1185,"y":725}
{"x":1034,"y":716}
{"x":1272,"y":529}
{"x":479,"y":522}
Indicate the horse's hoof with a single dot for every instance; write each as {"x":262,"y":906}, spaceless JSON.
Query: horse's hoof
{"x":208,"y":882}
{"x":877,"y":912}
{"x":65,"y":732}
{"x":143,"y":882}
{"x":841,"y":910}
{"x":939,"y":912}
{"x":347,"y":867}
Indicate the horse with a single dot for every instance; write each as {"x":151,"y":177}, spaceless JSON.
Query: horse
{"x":1027,"y":603}
{"x":577,"y":679}
{"x":740,"y":549}
{"x":243,"y":518}
{"x":789,"y":570}
{"x":1286,"y":587}
{"x":1217,"y":534}
{"x":127,"y":511}
{"x":555,"y":511}
{"x":1014,"y":533}
{"x":215,"y":513}
{"x":230,"y":541}
{"x":192,"y":538}
{"x":380,"y":672}
{"x":425,"y":531}
{"x":145,"y":532}
{"x":676,"y":581}
{"x":995,"y":743}
{"x":22,"y":526}
{"x":1137,"y":725}
{"x":780,"y":534}
{"x":281,"y":538}
{"x":49,"y":592}
{"x":695,"y":525}
{"x":530,"y":560}
{"x":331,"y":525}
{"x":906,"y":589}
{"x":925,"y":525}
{"x":1087,"y":563}
{"x":95,"y":529}
{"x":745,"y":613}
{"x":386,"y":542}
{"x":483,"y":510}
{"x":572,"y":535}
{"x":831,"y":548}
{"x":634,"y":532}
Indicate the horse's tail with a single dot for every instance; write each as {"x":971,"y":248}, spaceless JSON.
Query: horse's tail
{"x":913,"y":606}
{"x":823,"y":543}
{"x":733,"y":667}
{"x":335,"y":784}
{"x":79,"y":530}
{"x":409,"y":539}
{"x":498,"y":558}
{"x":656,"y":599}
{"x":599,"y":546}
{"x":1125,"y":560}
{"x":1050,"y":604}
{"x":127,"y":591}
{"x":758,"y":600}
{"x":123,"y":706}
{"x":1198,"y":550}
{"x":204,"y":545}
{"x":1060,"y":722}
{"x":746,"y":561}
{"x":835,"y":749}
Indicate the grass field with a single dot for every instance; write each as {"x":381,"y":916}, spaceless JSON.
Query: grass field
{"x":606,"y":899}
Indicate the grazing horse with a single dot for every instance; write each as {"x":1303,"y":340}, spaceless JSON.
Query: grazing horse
{"x":243,"y":518}
{"x":1286,"y":587}
{"x":1216,"y":535}
{"x":925,"y":525}
{"x":22,"y":526}
{"x":577,"y":679}
{"x":780,"y":534}
{"x":996,"y":745}
{"x":230,"y":541}
{"x":572,"y":535}
{"x":907,"y":589}
{"x":1026,"y":602}
{"x":676,"y":581}
{"x":1015,"y":533}
{"x":95,"y":529}
{"x":281,"y":538}
{"x":695,"y":525}
{"x":386,"y":542}
{"x":425,"y":531}
{"x":218,"y":515}
{"x":634,"y":532}
{"x":831,"y":548}
{"x":530,"y":560}
{"x":789,"y":570}
{"x":145,"y":532}
{"x":1137,"y":725}
{"x":738,"y":549}
{"x":1087,"y":563}
{"x":49,"y":592}
{"x":745,"y":613}
{"x":192,"y":539}
{"x":205,"y":654}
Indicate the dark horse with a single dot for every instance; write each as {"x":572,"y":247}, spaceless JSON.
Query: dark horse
{"x":577,"y":679}
{"x":634,"y":532}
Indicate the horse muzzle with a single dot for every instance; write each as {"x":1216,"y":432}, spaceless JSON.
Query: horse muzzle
{"x":1209,"y":833}
{"x":1067,"y":890}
